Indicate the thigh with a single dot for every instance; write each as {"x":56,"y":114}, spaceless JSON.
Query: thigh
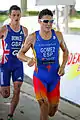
{"x":40,"y":88}
{"x":17,"y":74}
{"x":54,"y":94}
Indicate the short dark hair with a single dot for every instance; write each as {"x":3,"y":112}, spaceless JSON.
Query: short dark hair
{"x":45,"y":12}
{"x":14,"y":7}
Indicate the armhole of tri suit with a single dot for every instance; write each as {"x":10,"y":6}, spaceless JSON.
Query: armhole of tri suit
{"x":8,"y":27}
{"x":21,"y":29}
{"x":36,"y":33}
{"x":54,"y":33}
{"x":58,"y":42}
{"x":56,"y":36}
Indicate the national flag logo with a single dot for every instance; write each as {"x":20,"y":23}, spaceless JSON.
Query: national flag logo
{"x":5,"y":52}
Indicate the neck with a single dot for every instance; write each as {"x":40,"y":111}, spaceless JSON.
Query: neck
{"x":46,"y":35}
{"x":15,"y":27}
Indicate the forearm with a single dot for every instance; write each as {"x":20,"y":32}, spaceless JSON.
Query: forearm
{"x":21,"y":56}
{"x":65,"y":58}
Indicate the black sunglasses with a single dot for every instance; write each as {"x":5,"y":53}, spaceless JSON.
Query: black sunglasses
{"x":46,"y":21}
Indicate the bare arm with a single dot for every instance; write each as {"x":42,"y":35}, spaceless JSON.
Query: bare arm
{"x":28,"y":43}
{"x":65,"y":53}
{"x":25,"y":33}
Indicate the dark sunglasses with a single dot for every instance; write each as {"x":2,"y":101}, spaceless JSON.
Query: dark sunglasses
{"x":46,"y":21}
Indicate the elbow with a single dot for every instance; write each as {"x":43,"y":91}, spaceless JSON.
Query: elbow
{"x":21,"y":56}
{"x":66,"y":53}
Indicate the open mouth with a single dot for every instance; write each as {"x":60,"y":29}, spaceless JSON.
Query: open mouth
{"x":16,"y":20}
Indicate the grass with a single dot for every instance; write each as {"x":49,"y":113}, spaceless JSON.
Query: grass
{"x":75,"y":29}
{"x":3,"y":17}
{"x":75,"y":16}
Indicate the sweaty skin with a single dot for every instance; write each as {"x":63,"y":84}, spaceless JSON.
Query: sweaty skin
{"x":47,"y":94}
{"x":30,"y":41}
{"x":15,"y":27}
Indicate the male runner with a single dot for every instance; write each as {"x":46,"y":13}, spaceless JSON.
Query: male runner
{"x":13,"y":35}
{"x":46,"y":78}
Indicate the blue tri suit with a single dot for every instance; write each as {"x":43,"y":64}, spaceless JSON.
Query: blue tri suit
{"x":46,"y":79}
{"x":10,"y":64}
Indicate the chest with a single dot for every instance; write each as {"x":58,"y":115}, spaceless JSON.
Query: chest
{"x":14,"y":39}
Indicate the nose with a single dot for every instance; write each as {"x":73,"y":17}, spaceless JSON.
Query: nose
{"x":49,"y":23}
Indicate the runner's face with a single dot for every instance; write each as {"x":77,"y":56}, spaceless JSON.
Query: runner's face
{"x":46,"y":25}
{"x":15,"y":16}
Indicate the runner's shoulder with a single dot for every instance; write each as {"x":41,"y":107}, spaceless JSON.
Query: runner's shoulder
{"x":3,"y":29}
{"x":59,"y":35}
{"x":25,"y":30}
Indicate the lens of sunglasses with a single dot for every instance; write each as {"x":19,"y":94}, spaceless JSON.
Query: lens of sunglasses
{"x":46,"y":21}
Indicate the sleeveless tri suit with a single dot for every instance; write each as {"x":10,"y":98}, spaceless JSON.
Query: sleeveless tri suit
{"x":46,"y":79}
{"x":10,"y":64}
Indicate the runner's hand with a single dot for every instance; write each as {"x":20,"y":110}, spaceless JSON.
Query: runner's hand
{"x":61,"y":71}
{"x":31,"y":62}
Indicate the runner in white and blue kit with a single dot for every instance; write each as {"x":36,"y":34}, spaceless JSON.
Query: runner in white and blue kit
{"x":13,"y":36}
{"x":10,"y":64}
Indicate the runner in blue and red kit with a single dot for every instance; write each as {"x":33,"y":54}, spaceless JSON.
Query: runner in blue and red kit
{"x":47,"y":54}
{"x":13,"y":36}
{"x":45,"y":44}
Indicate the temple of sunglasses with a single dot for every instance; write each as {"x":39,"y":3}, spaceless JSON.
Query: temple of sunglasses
{"x":46,"y":21}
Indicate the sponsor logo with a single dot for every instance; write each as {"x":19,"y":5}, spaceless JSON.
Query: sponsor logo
{"x":15,"y":52}
{"x":21,"y":32}
{"x":19,"y":78}
{"x":54,"y":37}
{"x":73,"y":58}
